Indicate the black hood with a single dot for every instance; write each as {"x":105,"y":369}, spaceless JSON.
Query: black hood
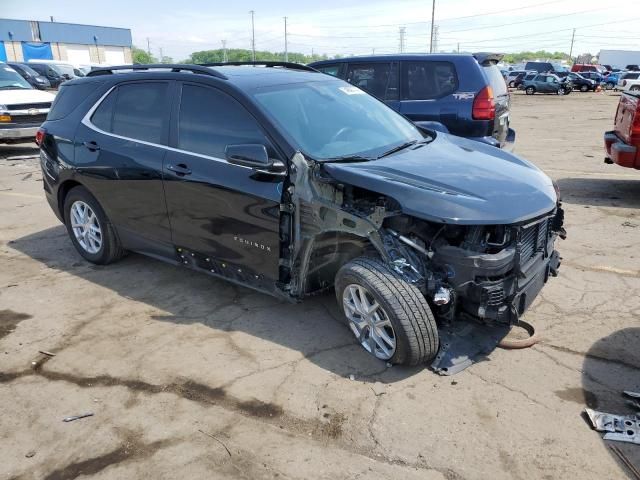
{"x":455,"y":180}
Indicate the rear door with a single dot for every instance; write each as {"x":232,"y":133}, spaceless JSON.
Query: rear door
{"x":426,"y":92}
{"x":119,"y":148}
{"x":229,"y":214}
{"x":379,"y":79}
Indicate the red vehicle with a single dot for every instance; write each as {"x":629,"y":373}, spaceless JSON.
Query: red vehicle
{"x":623,"y":142}
{"x":586,"y":67}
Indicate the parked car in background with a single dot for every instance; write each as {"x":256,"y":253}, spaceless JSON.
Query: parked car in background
{"x":540,"y":67}
{"x":288,"y":181}
{"x":611,"y":80}
{"x":30,"y":75}
{"x":578,"y":81}
{"x":512,"y":75}
{"x":629,"y":84}
{"x":622,"y":144}
{"x":584,"y":67}
{"x":632,"y":68}
{"x":22,"y":108}
{"x":521,"y":79}
{"x":52,"y":73}
{"x":597,"y":77}
{"x":462,"y":94}
{"x":547,"y":83}
{"x":625,"y":79}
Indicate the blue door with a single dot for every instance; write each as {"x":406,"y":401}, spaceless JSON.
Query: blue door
{"x":3,"y":53}
{"x":36,"y":51}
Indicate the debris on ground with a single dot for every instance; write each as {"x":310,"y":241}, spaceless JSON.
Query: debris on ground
{"x":620,"y":428}
{"x":217,"y":440}
{"x":77,"y":417}
{"x":49,"y":354}
{"x":30,"y":454}
{"x":627,"y":463}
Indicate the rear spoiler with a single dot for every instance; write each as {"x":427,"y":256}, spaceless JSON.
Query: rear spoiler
{"x":486,"y":59}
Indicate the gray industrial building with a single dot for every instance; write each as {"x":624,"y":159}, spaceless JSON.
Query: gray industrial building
{"x":24,"y":40}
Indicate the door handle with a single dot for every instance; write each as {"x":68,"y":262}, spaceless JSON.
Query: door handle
{"x":180,"y":169}
{"x":92,"y":146}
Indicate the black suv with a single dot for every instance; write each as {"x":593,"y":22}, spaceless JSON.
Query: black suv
{"x":456,"y":93}
{"x":290,"y":181}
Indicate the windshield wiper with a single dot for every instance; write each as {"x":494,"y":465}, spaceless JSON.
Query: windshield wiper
{"x":348,"y":159}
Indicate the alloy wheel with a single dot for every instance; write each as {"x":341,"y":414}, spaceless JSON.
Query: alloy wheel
{"x":86,"y":227}
{"x":369,"y":322}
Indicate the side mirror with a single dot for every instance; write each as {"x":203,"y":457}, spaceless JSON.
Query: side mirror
{"x":252,"y":155}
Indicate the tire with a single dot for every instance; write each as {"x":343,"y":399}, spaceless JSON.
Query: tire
{"x":561,"y":91}
{"x":109,"y":249}
{"x":584,"y":88}
{"x":529,"y":90}
{"x":635,"y":88}
{"x":609,"y":86}
{"x":511,"y":84}
{"x":413,"y":325}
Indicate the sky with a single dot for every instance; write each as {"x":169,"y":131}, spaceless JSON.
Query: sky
{"x":351,"y":27}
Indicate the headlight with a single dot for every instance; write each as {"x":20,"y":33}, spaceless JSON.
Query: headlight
{"x":3,"y":109}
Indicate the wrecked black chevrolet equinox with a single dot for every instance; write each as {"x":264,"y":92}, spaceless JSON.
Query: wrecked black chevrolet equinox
{"x":289,"y":181}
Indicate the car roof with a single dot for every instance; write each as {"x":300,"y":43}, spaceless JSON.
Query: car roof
{"x":245,"y":77}
{"x":396,"y":56}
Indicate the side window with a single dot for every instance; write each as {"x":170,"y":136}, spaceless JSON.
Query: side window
{"x":550,"y":79}
{"x":539,"y":78}
{"x":427,"y":80}
{"x":330,"y":69}
{"x":137,"y":110}
{"x":378,"y":79}
{"x":209,"y":120}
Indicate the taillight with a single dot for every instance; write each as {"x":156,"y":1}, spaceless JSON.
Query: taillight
{"x":40,"y":135}
{"x":484,"y":106}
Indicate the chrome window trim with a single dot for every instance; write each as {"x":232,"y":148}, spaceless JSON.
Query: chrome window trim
{"x":86,"y":121}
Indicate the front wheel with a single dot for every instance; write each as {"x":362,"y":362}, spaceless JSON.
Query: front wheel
{"x":584,"y":88}
{"x":511,"y":84}
{"x":609,"y":86}
{"x":529,"y":90}
{"x":388,"y":315}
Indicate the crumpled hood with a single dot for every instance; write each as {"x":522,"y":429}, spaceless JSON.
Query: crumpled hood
{"x":455,"y":180}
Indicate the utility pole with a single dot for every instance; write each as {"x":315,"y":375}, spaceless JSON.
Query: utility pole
{"x":435,"y":39}
{"x":458,"y":47}
{"x":148,"y":47}
{"x":286,"y":53}
{"x":253,"y":37}
{"x":573,"y":36}
{"x":224,"y":51}
{"x":433,"y":16}
{"x":402,"y":31}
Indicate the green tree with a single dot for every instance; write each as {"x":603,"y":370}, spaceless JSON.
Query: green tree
{"x":245,"y":55}
{"x":141,"y":56}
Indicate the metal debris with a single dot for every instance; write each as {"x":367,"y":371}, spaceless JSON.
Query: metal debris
{"x":620,"y":428}
{"x":77,"y":417}
{"x":30,"y":454}
{"x":631,"y":394}
{"x":49,"y":354}
{"x":627,"y":463}
{"x":217,"y":440}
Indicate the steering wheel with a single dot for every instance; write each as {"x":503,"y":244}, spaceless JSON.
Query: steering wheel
{"x":340,"y":133}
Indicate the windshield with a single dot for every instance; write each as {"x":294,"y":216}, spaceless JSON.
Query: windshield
{"x":10,"y":80}
{"x":333,"y":119}
{"x":64,"y":69}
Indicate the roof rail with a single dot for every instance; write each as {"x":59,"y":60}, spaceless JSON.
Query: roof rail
{"x":291,"y":65}
{"x":173,"y":67}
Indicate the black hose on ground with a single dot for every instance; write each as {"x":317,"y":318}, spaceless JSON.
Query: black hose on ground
{"x":521,"y":343}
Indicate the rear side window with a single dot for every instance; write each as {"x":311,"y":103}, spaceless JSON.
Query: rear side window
{"x":496,"y":80}
{"x":69,"y":97}
{"x":378,"y":79}
{"x":330,"y":69}
{"x":209,"y":120}
{"x":424,"y":80}
{"x":138,"y":111}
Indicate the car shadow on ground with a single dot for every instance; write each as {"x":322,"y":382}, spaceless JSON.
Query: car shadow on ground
{"x":602,"y":192}
{"x":314,"y":327}
{"x":611,"y":366}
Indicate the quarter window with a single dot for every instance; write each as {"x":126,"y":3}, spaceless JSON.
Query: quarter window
{"x":379,"y":79}
{"x":333,"y":70}
{"x":210,"y":120}
{"x":427,"y":80}
{"x":137,"y":111}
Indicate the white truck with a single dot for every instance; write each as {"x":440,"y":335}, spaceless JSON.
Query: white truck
{"x":629,"y":82}
{"x":22,"y":108}
{"x":619,"y":58}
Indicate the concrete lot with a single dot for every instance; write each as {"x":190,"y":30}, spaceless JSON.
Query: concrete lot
{"x":190,"y":377}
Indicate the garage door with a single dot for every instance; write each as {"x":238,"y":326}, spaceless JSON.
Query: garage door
{"x":78,"y":54}
{"x":114,"y":55}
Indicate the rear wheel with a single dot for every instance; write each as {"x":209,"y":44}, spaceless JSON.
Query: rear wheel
{"x":512,"y":84}
{"x":89,"y":228}
{"x":529,"y":90}
{"x":389,"y":316}
{"x":635,"y":88}
{"x":609,"y":85}
{"x":584,"y":88}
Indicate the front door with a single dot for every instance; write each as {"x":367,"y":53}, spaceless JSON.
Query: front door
{"x":219,"y":212}
{"x":119,"y":150}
